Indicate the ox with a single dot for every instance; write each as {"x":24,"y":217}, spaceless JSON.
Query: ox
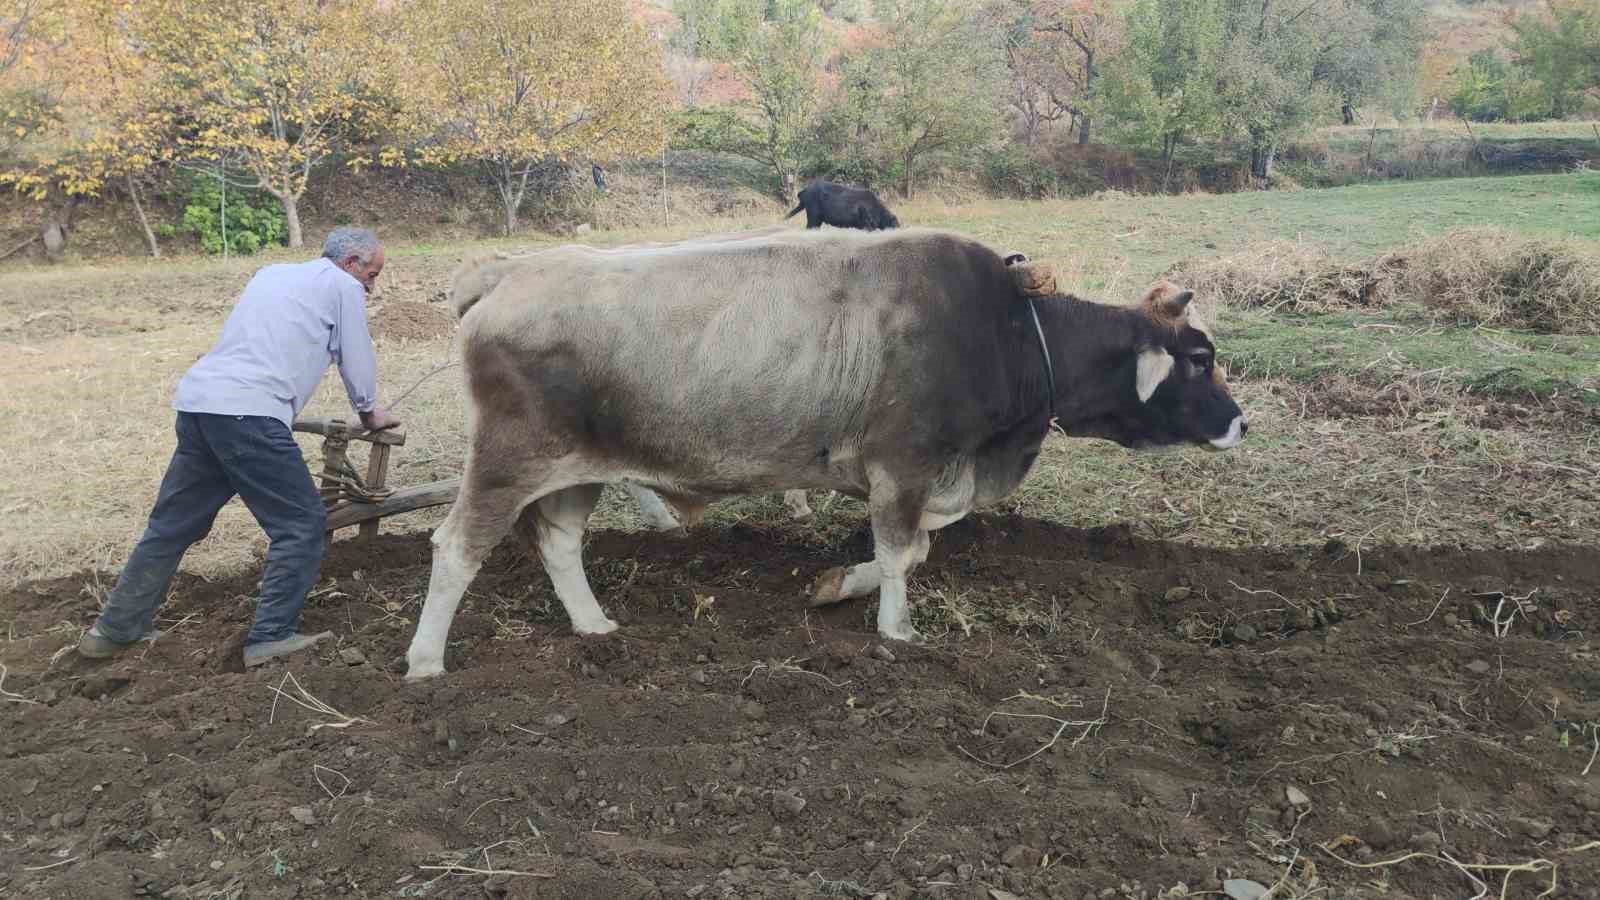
{"x":906,"y":368}
{"x":827,"y":203}
{"x":652,"y":510}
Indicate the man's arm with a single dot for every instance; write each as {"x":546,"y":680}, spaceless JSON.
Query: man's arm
{"x":358,"y":361}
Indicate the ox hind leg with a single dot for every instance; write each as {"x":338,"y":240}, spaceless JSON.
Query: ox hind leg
{"x":554,"y":525}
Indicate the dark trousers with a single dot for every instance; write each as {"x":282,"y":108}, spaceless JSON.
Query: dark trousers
{"x":217,"y":457}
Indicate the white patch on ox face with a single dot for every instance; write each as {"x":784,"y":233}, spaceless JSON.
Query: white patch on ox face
{"x":1154,"y":367}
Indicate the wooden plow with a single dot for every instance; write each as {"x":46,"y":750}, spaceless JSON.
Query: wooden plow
{"x":353,"y":499}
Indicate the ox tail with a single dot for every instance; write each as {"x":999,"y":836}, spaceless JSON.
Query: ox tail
{"x":476,"y":278}
{"x":795,"y":210}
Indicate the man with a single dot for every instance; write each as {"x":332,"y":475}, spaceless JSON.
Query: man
{"x":234,"y":411}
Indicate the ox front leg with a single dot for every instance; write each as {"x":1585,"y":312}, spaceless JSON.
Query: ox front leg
{"x":899,"y":544}
{"x":558,"y":521}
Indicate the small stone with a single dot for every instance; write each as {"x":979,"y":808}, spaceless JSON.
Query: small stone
{"x":352,"y":656}
{"x":303,"y":815}
{"x":1427,"y":841}
{"x":1177,"y":594}
{"x":1021,"y":856}
{"x":753,"y":710}
{"x":1296,"y":796}
{"x":1533,"y":828}
{"x":735,"y":769}
{"x":883,"y":653}
{"x":1379,"y":835}
{"x":555,"y":720}
{"x":1245,"y":633}
{"x":1243,"y":889}
{"x":699,"y":676}
{"x":695,"y":891}
{"x":1451,"y":620}
{"x":964,"y":872}
{"x":1478,"y":667}
{"x":589,"y":670}
{"x":786,"y":805}
{"x":75,"y":817}
{"x":29,"y":785}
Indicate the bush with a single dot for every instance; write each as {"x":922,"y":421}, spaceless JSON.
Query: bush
{"x":254,"y":219}
{"x":1015,"y":172}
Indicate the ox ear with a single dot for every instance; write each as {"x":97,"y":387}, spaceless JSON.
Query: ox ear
{"x":1154,"y":367}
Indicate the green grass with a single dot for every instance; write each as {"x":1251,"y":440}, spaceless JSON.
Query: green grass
{"x":1126,"y":242}
{"x":1379,"y":349}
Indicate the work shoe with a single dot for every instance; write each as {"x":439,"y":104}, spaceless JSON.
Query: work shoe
{"x":256,"y":654}
{"x":95,"y":645}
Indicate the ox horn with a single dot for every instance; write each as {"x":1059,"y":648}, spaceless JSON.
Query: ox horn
{"x":1032,"y":279}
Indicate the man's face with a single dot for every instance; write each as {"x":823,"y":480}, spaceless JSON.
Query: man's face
{"x":366,"y":273}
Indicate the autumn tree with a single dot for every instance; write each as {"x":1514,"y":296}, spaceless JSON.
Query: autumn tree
{"x":509,"y":86}
{"x":112,"y":124}
{"x":1073,"y":38}
{"x":31,"y":33}
{"x":777,"y":48}
{"x":271,"y":83}
{"x":933,"y":82}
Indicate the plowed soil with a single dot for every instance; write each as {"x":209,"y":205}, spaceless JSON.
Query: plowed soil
{"x":1093,"y":716}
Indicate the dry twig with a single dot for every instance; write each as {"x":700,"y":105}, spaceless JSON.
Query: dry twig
{"x":1062,"y":725}
{"x":307,"y":701}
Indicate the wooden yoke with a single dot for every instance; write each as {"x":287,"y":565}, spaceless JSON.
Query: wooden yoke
{"x":342,"y":487}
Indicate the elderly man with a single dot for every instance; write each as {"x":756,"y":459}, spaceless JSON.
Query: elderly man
{"x":235,"y":407}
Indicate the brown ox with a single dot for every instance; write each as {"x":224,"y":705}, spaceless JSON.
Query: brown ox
{"x":904,"y":367}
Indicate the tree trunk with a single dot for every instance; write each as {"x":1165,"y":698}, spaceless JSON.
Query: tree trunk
{"x":291,"y":214}
{"x":909,"y":187}
{"x":144,"y":221}
{"x":511,"y":213}
{"x":1088,"y":86}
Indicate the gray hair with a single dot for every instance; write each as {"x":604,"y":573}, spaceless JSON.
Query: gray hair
{"x":343,"y":243}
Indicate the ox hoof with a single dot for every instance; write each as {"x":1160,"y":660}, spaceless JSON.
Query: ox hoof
{"x":906,"y":635}
{"x":605,"y":626}
{"x":423,"y":671}
{"x":830,"y":587}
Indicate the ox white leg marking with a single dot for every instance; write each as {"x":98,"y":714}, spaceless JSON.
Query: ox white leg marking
{"x":453,"y":570}
{"x":561,"y":517}
{"x":1154,"y":367}
{"x":1234,"y":435}
{"x":652,"y":509}
{"x":796,"y":502}
{"x":894,"y":614}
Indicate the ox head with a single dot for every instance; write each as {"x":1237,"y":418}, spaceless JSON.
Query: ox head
{"x":1181,"y":392}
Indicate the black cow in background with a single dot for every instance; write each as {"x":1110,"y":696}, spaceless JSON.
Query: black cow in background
{"x":827,"y":203}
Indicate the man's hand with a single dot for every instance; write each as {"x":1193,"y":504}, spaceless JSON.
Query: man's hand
{"x":378,"y":420}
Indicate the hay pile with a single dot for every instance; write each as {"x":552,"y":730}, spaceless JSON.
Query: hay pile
{"x":411,"y":321}
{"x":1480,"y":276}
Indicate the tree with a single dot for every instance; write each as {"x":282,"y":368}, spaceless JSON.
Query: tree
{"x":113,"y":125}
{"x":777,"y":47}
{"x":510,"y":85}
{"x":274,"y":83}
{"x":1162,"y":88}
{"x":934,"y":82}
{"x":1559,"y":47}
{"x":1284,"y":63}
{"x":1079,"y":34}
{"x":30,"y":33}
